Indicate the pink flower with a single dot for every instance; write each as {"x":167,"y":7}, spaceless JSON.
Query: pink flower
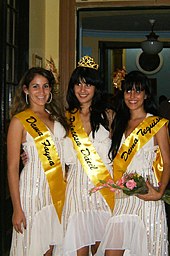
{"x":110,"y":181}
{"x":95,"y":189}
{"x":107,"y":185}
{"x":120,"y":182}
{"x":131,"y":184}
{"x":127,"y":184}
{"x":113,"y":189}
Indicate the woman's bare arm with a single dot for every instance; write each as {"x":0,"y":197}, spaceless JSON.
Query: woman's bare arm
{"x":162,"y":138}
{"x":14,"y":140}
{"x":164,"y":144}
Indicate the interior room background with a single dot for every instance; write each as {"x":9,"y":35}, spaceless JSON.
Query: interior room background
{"x":32,"y":32}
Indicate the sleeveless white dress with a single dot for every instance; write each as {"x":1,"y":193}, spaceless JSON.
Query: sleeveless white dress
{"x":138,"y":226}
{"x":84,"y":216}
{"x":43,"y":226}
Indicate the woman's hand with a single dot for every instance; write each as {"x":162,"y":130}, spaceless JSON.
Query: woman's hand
{"x":24,"y":158}
{"x":152,"y":195}
{"x":19,"y":221}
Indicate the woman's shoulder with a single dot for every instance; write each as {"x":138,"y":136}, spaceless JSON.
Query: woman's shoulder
{"x":15,"y":130}
{"x":149,"y":114}
{"x":59,"y":130}
{"x":15,"y":122}
{"x":102,"y":135}
{"x":156,"y":116}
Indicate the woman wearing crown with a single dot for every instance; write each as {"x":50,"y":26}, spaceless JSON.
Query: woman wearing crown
{"x":85,"y":216}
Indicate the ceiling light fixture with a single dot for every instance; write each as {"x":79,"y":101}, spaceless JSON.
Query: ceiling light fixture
{"x":152,"y":45}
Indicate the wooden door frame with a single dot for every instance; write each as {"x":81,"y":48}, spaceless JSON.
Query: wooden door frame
{"x":67,"y":41}
{"x":68,"y":30}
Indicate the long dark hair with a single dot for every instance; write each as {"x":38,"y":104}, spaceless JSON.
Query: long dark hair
{"x":90,"y":76}
{"x":55,"y":107}
{"x":120,"y":122}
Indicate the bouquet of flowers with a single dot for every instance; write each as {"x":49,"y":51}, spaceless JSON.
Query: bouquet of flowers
{"x":130,"y":184}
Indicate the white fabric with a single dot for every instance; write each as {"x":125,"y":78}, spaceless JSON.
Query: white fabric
{"x":84,"y":216}
{"x":126,"y":232}
{"x":43,"y":227}
{"x":138,"y":226}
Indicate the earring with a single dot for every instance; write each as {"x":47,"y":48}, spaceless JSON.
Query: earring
{"x":51,"y":97}
{"x":26,"y":98}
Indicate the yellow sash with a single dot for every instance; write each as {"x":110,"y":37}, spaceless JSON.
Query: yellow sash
{"x":88,"y":157}
{"x":136,"y":140}
{"x":48,"y":155}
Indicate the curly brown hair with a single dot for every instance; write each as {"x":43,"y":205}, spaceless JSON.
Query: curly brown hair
{"x":55,"y":107}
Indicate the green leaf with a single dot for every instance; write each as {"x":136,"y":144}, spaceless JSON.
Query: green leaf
{"x":166,"y":196}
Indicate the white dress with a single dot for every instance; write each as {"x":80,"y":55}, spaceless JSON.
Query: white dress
{"x":84,"y":216}
{"x":138,"y":226}
{"x":43,"y":226}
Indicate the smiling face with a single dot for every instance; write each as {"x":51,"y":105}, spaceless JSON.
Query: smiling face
{"x":84,"y":92}
{"x":134,"y":98}
{"x":38,"y":91}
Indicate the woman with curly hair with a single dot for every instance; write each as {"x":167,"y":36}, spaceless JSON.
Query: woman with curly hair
{"x":38,"y":125}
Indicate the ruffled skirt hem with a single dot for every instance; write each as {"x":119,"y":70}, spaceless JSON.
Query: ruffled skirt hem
{"x":84,"y":229}
{"x":125,"y":232}
{"x":46,"y":230}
